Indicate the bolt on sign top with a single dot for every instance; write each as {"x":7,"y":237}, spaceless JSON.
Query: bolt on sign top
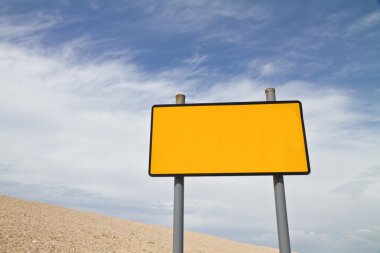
{"x":247,"y":138}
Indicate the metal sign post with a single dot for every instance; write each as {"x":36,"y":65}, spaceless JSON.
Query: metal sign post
{"x":279,"y":195}
{"x":179,"y":187}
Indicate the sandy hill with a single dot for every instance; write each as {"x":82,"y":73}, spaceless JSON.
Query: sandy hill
{"x":27,"y":226}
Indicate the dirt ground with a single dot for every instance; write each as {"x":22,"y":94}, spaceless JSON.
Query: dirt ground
{"x":27,"y":226}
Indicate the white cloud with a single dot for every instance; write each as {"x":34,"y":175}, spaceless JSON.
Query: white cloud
{"x":365,"y":238}
{"x":52,"y":109}
{"x":351,"y":241}
{"x":196,"y":60}
{"x":94,"y":5}
{"x":203,"y":18}
{"x":266,"y":68}
{"x":366,"y":184}
{"x":20,"y":26}
{"x":366,"y":22}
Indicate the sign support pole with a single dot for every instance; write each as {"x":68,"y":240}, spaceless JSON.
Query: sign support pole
{"x":279,"y":195}
{"x":179,"y":187}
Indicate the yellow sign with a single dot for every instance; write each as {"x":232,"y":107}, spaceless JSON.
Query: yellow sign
{"x":228,"y":139}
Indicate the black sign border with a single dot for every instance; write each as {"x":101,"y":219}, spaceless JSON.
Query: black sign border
{"x":229,"y":174}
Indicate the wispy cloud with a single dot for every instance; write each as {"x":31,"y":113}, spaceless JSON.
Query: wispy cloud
{"x":366,"y":183}
{"x":366,"y":22}
{"x":266,"y":68}
{"x":13,"y":27}
{"x":196,"y":17}
{"x":196,"y":60}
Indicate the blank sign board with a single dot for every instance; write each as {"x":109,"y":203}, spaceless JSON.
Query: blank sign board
{"x":252,"y":138}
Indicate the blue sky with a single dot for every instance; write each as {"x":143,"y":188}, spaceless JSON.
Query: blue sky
{"x":79,"y":78}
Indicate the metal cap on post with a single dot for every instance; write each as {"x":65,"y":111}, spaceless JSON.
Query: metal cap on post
{"x":180,"y":98}
{"x":178,"y":216}
{"x":279,"y":195}
{"x":270,"y":94}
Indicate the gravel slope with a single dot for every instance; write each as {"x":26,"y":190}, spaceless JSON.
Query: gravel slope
{"x":27,"y":226}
